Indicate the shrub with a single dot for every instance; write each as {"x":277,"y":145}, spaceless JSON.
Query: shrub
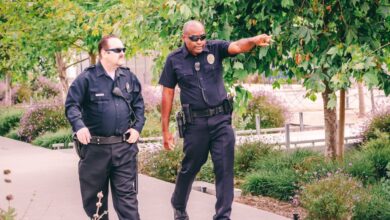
{"x":360,"y":166}
{"x":44,"y":88}
{"x":313,"y":167}
{"x":9,"y":118}
{"x":376,"y":206}
{"x":40,"y":119}
{"x":379,"y":122}
{"x":378,"y":151}
{"x":152,"y":126}
{"x":3,"y":90}
{"x":13,"y":134}
{"x":63,"y":135}
{"x":164,"y":165}
{"x":152,"y":97}
{"x":278,"y":184}
{"x":21,"y":93}
{"x":247,"y":155}
{"x":206,"y":173}
{"x":272,"y":113}
{"x":332,"y":197}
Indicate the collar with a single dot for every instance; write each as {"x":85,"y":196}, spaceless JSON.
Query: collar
{"x":101,"y":71}
{"x":187,"y":53}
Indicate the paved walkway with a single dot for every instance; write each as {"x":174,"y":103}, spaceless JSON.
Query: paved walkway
{"x":45,"y":187}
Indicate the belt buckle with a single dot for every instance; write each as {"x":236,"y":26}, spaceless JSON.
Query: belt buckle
{"x":125,"y":136}
{"x":212,"y":111}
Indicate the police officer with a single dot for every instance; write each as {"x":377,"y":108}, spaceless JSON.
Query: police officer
{"x":106,"y":110}
{"x":197,"y":68}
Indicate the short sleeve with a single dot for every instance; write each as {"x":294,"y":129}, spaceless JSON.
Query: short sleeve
{"x":223,"y":48}
{"x":168,"y":76}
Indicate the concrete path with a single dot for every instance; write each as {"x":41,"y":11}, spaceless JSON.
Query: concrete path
{"x":45,"y":187}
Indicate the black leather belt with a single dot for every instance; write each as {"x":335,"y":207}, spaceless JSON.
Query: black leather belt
{"x":110,"y":139}
{"x":208,"y":112}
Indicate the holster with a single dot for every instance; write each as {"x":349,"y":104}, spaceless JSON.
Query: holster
{"x":228,"y":105}
{"x":187,"y":113}
{"x":180,"y":120}
{"x":77,"y":146}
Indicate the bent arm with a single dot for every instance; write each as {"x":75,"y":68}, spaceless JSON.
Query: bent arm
{"x":246,"y":44}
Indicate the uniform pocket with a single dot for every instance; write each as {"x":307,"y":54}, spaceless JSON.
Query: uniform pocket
{"x":187,"y":79}
{"x":100,"y":101}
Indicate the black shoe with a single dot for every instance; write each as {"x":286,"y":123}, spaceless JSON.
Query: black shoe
{"x":180,"y":215}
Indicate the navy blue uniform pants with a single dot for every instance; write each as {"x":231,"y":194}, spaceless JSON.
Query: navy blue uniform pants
{"x":114,"y":165}
{"x":208,"y":134}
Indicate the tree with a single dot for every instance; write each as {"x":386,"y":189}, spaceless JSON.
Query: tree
{"x":323,"y":43}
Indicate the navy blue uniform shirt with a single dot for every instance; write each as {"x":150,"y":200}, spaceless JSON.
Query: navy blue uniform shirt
{"x":180,"y":69}
{"x":90,"y":102}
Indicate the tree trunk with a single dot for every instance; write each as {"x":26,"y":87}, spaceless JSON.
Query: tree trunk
{"x":8,"y":93}
{"x":373,"y":108}
{"x":340,"y":147}
{"x":92,"y":58}
{"x":61,"y":69}
{"x":362,"y":107}
{"x":330,"y":117}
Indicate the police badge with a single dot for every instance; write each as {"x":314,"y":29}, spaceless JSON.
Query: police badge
{"x":210,"y":58}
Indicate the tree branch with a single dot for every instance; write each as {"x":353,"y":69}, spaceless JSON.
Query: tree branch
{"x":76,"y":62}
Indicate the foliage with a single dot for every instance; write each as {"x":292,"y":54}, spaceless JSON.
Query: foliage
{"x":46,"y":140}
{"x":206,"y":173}
{"x":360,"y":166}
{"x":9,"y":119}
{"x":378,"y":151}
{"x":164,"y":165}
{"x":247,"y":154}
{"x":376,"y":206}
{"x":21,"y":93}
{"x":380,"y":122}
{"x":44,"y":88}
{"x":13,"y":134}
{"x":40,"y":119}
{"x":280,"y":184}
{"x":333,"y":197}
{"x":272,"y":113}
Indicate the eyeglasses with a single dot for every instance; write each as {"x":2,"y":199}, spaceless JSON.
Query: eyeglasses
{"x":117,"y":50}
{"x":197,"y":37}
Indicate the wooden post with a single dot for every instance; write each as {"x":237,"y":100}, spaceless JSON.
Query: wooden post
{"x":301,"y":126}
{"x":287,"y":136}
{"x":257,"y":124}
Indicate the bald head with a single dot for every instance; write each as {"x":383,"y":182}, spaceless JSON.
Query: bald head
{"x":192,"y":26}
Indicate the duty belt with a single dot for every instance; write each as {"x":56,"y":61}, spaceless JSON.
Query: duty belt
{"x":110,"y":139}
{"x":208,"y":112}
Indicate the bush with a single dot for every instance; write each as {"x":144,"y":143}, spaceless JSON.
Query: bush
{"x":272,"y":113}
{"x":379,"y":122}
{"x":247,"y":155}
{"x":49,"y":138}
{"x":21,"y":93}
{"x":40,"y":119}
{"x":206,"y":173}
{"x":332,"y":198}
{"x":378,"y":151}
{"x":152,"y":126}
{"x":9,"y":118}
{"x":376,"y":206}
{"x":13,"y":134}
{"x":164,"y":165}
{"x":360,"y":166}
{"x":279,"y":184}
{"x":44,"y":88}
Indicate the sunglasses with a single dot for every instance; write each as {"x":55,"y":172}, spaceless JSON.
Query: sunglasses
{"x":117,"y":50}
{"x":197,"y":37}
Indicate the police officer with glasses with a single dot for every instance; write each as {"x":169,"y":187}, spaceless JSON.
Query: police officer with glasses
{"x":105,"y":107}
{"x":197,"y":69}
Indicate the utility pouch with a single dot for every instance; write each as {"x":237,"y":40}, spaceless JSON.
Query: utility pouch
{"x":187,"y":113}
{"x":180,"y":120}
{"x":228,"y":105}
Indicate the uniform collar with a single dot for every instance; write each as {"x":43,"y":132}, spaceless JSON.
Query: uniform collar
{"x":101,"y":71}
{"x":187,"y":53}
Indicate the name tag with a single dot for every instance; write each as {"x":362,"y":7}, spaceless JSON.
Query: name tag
{"x":99,"y":94}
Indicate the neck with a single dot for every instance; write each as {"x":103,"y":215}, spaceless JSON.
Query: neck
{"x":110,"y":69}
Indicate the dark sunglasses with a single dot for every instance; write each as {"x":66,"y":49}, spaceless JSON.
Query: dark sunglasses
{"x":197,"y":37}
{"x":117,"y":50}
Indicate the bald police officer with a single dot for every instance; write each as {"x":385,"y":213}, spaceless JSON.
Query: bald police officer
{"x":197,"y":68}
{"x":106,"y":110}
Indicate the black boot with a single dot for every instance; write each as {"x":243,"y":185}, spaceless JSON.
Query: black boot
{"x":180,"y":215}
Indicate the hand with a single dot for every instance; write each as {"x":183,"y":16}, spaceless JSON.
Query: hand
{"x":134,"y":135}
{"x":263,"y":40}
{"x":83,"y":135}
{"x":168,"y":141}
